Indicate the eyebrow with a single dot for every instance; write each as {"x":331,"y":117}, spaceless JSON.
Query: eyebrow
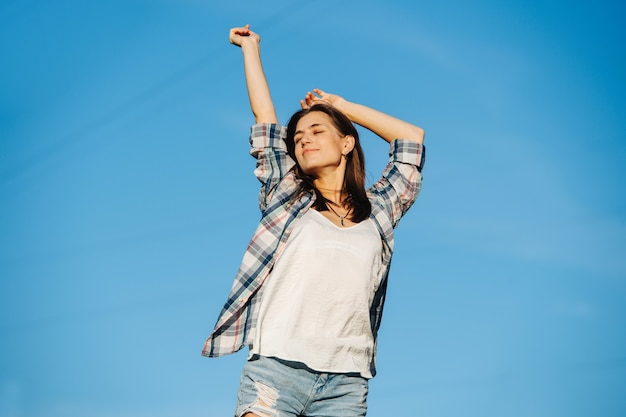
{"x":310,"y":127}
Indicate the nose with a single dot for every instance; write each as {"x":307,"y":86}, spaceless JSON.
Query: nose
{"x":306,"y":138}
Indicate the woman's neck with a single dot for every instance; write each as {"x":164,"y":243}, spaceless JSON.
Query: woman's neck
{"x":331,"y":182}
{"x":333,"y":193}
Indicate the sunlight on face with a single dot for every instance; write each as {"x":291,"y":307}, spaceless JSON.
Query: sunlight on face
{"x":318,"y":144}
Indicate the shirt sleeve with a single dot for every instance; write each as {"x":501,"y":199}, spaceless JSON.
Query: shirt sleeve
{"x":268,"y":147}
{"x":401,"y":181}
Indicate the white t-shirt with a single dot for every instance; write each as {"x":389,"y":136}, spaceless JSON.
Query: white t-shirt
{"x":315,"y":307}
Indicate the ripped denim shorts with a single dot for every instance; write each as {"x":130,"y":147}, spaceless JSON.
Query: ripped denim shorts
{"x":275,"y":388}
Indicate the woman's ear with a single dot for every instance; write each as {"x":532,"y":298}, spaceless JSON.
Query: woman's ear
{"x":348,"y":144}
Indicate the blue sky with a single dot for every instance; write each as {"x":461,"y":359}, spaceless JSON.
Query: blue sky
{"x":127,"y":198}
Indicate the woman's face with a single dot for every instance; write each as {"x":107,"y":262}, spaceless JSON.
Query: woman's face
{"x":318,"y":144}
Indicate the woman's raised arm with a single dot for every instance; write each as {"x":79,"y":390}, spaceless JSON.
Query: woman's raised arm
{"x":387,"y":127}
{"x":258,"y":89}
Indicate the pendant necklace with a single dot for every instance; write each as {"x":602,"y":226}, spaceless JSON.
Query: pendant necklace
{"x":341,"y":218}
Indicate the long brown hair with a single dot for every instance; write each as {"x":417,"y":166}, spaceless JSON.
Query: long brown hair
{"x":354,"y":180}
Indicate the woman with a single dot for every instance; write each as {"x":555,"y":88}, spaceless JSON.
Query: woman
{"x":309,"y":293}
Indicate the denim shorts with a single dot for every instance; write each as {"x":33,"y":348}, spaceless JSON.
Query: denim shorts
{"x":275,"y":388}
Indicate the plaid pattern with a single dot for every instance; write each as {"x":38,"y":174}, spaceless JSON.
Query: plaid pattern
{"x":280,"y":206}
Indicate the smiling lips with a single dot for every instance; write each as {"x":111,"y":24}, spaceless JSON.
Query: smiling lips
{"x":307,"y":150}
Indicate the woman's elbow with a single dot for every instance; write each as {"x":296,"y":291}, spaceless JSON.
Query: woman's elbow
{"x":417,"y":134}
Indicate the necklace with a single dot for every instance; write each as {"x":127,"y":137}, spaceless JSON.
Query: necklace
{"x":341,"y":218}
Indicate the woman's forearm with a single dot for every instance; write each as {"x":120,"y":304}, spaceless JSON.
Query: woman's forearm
{"x":387,"y":127}
{"x":258,"y":89}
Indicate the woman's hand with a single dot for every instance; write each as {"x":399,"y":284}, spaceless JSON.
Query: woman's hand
{"x":238,"y":36}
{"x":319,"y":96}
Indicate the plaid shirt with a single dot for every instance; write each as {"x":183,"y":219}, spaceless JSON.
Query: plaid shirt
{"x":280,"y":205}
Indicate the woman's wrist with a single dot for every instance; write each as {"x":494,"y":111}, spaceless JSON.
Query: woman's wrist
{"x":250,"y":43}
{"x":345,"y":107}
{"x":342,"y":105}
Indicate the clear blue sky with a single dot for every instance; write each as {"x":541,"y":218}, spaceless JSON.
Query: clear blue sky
{"x":127,"y":199}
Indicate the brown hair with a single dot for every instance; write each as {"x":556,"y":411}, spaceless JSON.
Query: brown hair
{"x":354,"y":180}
